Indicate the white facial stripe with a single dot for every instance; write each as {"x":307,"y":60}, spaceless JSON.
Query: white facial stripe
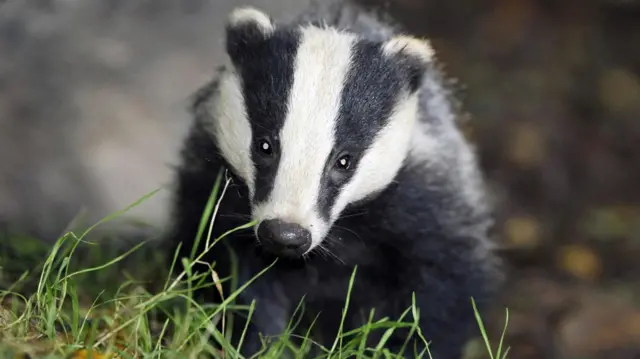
{"x":384,"y":158}
{"x":307,"y":137}
{"x":232,"y":128}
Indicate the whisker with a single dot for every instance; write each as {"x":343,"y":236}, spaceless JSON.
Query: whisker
{"x":324,"y":253}
{"x":321,"y":251}
{"x":317,"y":252}
{"x":355,"y":214}
{"x":325,"y":250}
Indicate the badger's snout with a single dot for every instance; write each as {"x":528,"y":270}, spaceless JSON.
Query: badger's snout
{"x":284,"y":238}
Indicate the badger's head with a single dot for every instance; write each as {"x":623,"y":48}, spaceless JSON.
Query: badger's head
{"x":312,"y":119}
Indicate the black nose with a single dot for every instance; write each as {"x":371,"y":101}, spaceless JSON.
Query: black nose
{"x":284,"y":238}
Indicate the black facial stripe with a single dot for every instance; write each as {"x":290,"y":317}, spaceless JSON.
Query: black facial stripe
{"x":371,"y":90}
{"x":267,"y":76}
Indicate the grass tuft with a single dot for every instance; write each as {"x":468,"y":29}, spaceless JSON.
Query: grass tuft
{"x":77,"y":304}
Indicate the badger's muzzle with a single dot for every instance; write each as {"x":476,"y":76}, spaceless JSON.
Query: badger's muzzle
{"x":284,"y":238}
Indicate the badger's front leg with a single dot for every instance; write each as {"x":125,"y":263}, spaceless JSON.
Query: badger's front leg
{"x":436,"y":324}
{"x":271,"y":314}
{"x":445,"y":312}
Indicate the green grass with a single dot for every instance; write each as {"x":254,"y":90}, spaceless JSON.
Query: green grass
{"x":74,"y":303}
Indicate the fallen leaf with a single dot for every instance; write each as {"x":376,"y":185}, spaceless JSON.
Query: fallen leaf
{"x":522,"y":231}
{"x":85,"y":354}
{"x":580,"y":261}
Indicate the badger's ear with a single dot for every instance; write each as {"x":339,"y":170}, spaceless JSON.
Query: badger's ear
{"x":245,"y":27}
{"x":413,"y":54}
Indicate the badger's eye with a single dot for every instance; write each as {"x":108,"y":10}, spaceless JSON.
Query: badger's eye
{"x":343,"y":163}
{"x":265,"y":147}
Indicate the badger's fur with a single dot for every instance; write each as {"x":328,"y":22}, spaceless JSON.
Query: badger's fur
{"x":341,"y":143}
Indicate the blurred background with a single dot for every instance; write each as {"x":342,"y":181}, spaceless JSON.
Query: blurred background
{"x":92,"y":99}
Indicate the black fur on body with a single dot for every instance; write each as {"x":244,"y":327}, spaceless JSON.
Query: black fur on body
{"x":421,"y":234}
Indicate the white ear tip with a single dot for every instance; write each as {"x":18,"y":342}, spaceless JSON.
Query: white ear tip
{"x":250,"y":15}
{"x":411,"y":46}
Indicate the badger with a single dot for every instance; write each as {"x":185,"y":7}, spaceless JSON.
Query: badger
{"x":341,"y":142}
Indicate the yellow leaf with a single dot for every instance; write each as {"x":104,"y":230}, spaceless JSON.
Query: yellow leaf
{"x":580,"y":261}
{"x":522,"y":231}
{"x":84,"y":354}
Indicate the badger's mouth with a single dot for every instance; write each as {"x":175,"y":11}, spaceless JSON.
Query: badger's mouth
{"x":284,"y":239}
